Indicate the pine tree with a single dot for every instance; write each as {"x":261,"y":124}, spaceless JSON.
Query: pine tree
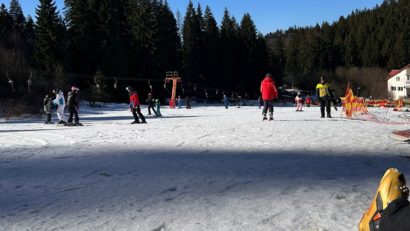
{"x":248,"y":43}
{"x":211,"y":46}
{"x":17,"y":16}
{"x":192,"y":44}
{"x":229,"y":48}
{"x":5,"y":24}
{"x":48,"y":41}
{"x":166,"y":41}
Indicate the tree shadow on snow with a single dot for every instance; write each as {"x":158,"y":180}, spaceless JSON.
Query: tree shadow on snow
{"x":92,"y":178}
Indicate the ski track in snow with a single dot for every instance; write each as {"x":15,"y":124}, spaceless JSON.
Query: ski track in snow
{"x":201,"y":169}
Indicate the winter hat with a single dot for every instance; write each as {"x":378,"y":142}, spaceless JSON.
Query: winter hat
{"x":129,"y":88}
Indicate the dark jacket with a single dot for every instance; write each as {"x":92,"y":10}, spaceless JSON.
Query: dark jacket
{"x":72,"y":100}
{"x":47,"y":104}
{"x":396,"y":217}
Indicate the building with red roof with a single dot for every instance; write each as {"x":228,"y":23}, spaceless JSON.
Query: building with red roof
{"x":398,"y":83}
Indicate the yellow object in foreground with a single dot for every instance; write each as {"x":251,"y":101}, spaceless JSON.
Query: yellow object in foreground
{"x":391,"y":187}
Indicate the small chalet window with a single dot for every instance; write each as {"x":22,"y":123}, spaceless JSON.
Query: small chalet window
{"x":398,"y":78}
{"x":408,"y":77}
{"x":393,"y":88}
{"x":400,"y":88}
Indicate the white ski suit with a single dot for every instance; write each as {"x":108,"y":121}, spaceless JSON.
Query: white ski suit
{"x":60,"y":102}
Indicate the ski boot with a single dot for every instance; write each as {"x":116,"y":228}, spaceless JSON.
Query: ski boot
{"x":69,"y":124}
{"x":136,"y":122}
{"x":77,"y":123}
{"x":329,"y":116}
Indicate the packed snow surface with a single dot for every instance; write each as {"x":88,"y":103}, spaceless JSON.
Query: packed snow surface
{"x":207,"y":168}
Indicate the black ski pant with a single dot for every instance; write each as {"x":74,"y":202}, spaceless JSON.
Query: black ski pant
{"x":324,"y":103}
{"x":48,"y":119}
{"x":151,"y":106}
{"x":73,"y":113}
{"x":136,"y":111}
{"x":267,"y":105}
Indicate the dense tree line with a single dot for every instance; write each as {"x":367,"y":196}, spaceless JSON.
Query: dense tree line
{"x":142,"y":39}
{"x":371,"y":38}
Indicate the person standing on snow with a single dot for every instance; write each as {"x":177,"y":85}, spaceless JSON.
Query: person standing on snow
{"x":226,"y":101}
{"x":73,"y":107}
{"x":150,"y":103}
{"x":47,"y":107}
{"x":269,"y":94}
{"x":60,"y":102}
{"x":158,"y":106}
{"x":135,"y":106}
{"x":308,"y":101}
{"x":324,"y":96}
{"x":299,"y":102}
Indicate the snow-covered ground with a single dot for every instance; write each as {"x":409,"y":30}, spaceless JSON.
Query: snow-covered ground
{"x":201,"y":169}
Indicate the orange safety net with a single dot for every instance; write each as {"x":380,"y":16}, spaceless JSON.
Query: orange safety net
{"x":352,"y":105}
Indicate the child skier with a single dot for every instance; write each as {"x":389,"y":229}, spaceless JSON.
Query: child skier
{"x":226,"y":101}
{"x":308,"y":101}
{"x":299,"y":102}
{"x":179,"y":102}
{"x":135,"y":106}
{"x":158,"y":106}
{"x":60,"y":102}
{"x":47,"y":108}
{"x":73,"y":107}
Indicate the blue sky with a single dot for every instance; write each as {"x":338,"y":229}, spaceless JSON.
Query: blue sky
{"x":268,"y":15}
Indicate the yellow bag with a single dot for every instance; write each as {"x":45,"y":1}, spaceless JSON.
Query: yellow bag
{"x":392,"y":186}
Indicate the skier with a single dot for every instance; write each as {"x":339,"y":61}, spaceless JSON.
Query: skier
{"x":60,"y":102}
{"x":269,"y":94}
{"x":299,"y":102}
{"x":226,"y":101}
{"x":188,"y":102}
{"x":179,"y":102}
{"x":260,"y":102}
{"x":308,"y":101}
{"x":47,"y":107}
{"x":158,"y":106}
{"x":73,"y":107}
{"x":150,"y":103}
{"x":135,"y":106}
{"x":324,"y":96}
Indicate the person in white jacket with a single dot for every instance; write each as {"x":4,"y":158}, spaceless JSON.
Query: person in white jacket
{"x":60,"y":102}
{"x":299,"y":102}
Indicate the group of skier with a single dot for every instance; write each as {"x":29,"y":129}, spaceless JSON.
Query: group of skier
{"x":73,"y":106}
{"x":60,"y":103}
{"x":269,"y":93}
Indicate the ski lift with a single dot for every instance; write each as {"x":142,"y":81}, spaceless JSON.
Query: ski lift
{"x":115,"y":83}
{"x":150,"y":86}
{"x":97,"y":85}
{"x":29,"y":81}
{"x":11,"y":82}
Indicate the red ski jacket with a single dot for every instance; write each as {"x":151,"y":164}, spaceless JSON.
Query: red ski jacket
{"x":268,"y":89}
{"x":134,"y":101}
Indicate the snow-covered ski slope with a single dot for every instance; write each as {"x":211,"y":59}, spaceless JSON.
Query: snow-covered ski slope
{"x":207,"y":168}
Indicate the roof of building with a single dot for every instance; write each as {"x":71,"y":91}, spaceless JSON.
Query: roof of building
{"x":395,"y":72}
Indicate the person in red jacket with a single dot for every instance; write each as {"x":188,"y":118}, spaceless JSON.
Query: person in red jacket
{"x":135,"y":106}
{"x":269,"y":94}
